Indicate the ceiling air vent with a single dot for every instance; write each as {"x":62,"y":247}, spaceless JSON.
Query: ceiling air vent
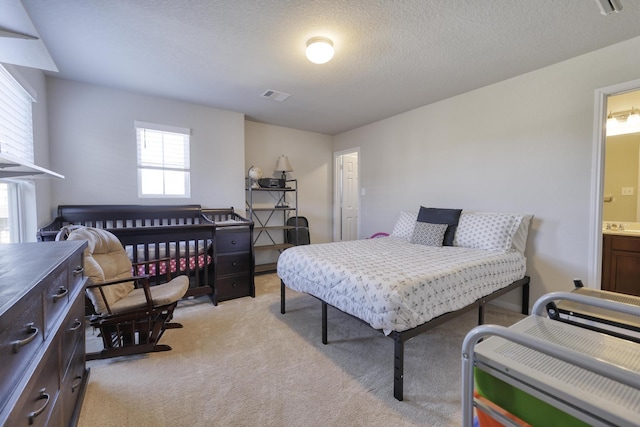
{"x":609,"y":6}
{"x":275,"y":95}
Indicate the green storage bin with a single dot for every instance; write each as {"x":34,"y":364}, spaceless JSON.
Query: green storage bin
{"x":526,"y":407}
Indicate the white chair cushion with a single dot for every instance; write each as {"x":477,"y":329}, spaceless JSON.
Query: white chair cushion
{"x":164,"y":294}
{"x":104,"y":260}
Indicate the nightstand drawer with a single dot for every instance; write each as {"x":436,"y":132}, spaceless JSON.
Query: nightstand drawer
{"x":233,"y":287}
{"x":237,"y":240}
{"x":233,"y":264}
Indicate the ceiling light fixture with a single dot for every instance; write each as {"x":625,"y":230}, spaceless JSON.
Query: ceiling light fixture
{"x":319,"y":50}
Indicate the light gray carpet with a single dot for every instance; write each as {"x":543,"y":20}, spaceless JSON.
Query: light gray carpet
{"x":242,"y":363}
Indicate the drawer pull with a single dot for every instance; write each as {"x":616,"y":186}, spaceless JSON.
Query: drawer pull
{"x":233,"y":264}
{"x":76,"y":384}
{"x":235,"y":285}
{"x":233,"y":242}
{"x":62,"y":292}
{"x":21,"y":343}
{"x":78,"y":270}
{"x":76,"y":325}
{"x":34,"y":414}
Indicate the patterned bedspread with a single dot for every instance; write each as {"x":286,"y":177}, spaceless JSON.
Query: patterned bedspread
{"x":394,"y":285}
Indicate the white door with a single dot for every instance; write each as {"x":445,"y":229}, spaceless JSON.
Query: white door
{"x":349,"y":205}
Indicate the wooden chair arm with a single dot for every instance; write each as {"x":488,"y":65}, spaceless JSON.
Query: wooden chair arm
{"x":138,"y":280}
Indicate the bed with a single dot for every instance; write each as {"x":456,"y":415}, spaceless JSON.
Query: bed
{"x":179,"y":239}
{"x":405,"y":284}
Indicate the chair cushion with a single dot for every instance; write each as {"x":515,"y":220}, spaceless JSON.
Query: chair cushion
{"x":104,"y":259}
{"x":164,"y":294}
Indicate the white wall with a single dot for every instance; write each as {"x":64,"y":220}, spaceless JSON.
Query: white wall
{"x":93,"y":143}
{"x":311,"y":157}
{"x":521,"y":145}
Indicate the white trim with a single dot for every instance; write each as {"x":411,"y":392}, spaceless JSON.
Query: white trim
{"x":162,"y":128}
{"x":21,"y":81}
{"x":597,"y":177}
{"x":336,"y":190}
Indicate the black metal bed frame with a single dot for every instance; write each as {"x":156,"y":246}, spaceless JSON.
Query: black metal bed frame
{"x":399,"y":338}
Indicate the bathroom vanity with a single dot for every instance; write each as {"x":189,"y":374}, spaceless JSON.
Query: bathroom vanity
{"x":621,"y":259}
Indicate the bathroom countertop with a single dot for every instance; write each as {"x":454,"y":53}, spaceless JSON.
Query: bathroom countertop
{"x":632,"y":233}
{"x":621,"y":228}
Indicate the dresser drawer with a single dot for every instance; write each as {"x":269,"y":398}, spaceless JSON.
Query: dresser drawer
{"x":37,"y":401}
{"x":233,"y":264}
{"x":72,"y":383}
{"x":55,"y":296}
{"x":233,"y":287}
{"x":21,"y":335}
{"x":62,"y":283}
{"x":72,"y":330}
{"x":237,"y":240}
{"x":75,"y":267}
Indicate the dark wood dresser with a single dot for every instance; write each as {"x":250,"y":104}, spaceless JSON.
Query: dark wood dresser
{"x":42,"y":336}
{"x":234,"y":262}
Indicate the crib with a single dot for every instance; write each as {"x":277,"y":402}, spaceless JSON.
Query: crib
{"x":179,"y":239}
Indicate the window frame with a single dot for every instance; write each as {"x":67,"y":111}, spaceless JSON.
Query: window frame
{"x":162,"y":165}
{"x":18,"y":138}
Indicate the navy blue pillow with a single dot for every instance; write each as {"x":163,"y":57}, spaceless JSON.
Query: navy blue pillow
{"x":442,"y":216}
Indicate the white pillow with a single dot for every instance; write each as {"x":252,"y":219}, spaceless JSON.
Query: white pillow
{"x":492,"y":231}
{"x":405,"y":225}
{"x":520,"y":238}
{"x":428,"y":234}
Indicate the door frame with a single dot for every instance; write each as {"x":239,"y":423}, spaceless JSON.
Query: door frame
{"x":597,"y":177}
{"x":337,"y":190}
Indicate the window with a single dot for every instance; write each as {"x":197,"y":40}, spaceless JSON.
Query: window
{"x":5,"y":227}
{"x":17,"y":196}
{"x":163,"y":160}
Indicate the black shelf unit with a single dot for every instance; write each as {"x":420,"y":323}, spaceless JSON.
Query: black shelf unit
{"x":269,"y":209}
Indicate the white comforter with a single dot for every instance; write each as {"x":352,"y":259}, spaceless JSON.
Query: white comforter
{"x":395,"y":285}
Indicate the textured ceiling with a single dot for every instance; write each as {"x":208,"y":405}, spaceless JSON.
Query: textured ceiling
{"x":391,"y":55}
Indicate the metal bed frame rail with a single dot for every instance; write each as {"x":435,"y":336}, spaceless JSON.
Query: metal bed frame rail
{"x":400,"y":338}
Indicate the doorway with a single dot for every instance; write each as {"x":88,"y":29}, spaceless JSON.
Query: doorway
{"x":603,"y":97}
{"x":346,"y":195}
{"x":621,"y":159}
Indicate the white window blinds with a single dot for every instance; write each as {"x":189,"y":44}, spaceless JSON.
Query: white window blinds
{"x":163,"y":160}
{"x":16,"y":128}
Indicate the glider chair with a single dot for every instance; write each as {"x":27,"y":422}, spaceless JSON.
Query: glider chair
{"x":130,"y":314}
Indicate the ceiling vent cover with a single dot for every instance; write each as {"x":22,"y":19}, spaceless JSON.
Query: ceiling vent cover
{"x":275,"y":95}
{"x":609,"y":6}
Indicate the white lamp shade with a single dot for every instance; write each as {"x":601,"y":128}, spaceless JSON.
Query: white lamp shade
{"x":319,"y":50}
{"x":283,"y":164}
